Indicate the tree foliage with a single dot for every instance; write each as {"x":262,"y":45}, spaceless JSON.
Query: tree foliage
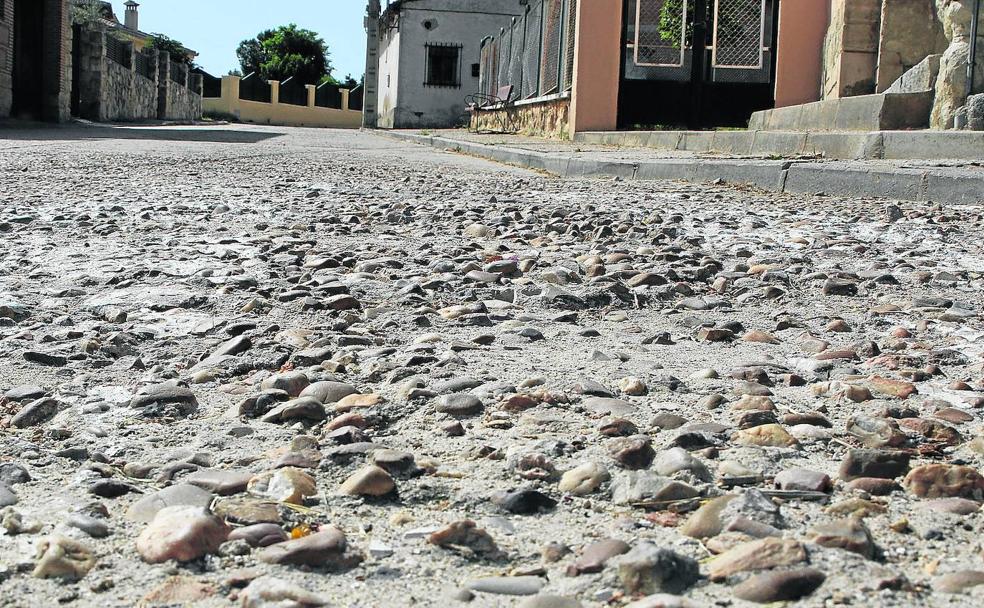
{"x":285,"y":52}
{"x":164,"y":44}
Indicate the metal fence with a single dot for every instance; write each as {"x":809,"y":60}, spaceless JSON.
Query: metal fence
{"x":328,"y":96}
{"x":293,"y":92}
{"x":254,"y":88}
{"x":535,"y":55}
{"x":179,"y":73}
{"x":146,"y":66}
{"x":356,"y":96}
{"x":118,"y":51}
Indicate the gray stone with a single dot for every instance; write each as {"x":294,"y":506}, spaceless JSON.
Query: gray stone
{"x":182,"y":494}
{"x":921,"y":77}
{"x":642,"y":487}
{"x":35,"y":413}
{"x":788,"y":585}
{"x":650,"y":569}
{"x":506,"y":585}
{"x":165,"y":400}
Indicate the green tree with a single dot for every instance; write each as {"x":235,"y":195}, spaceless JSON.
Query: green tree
{"x":285,"y":52}
{"x":164,"y":44}
{"x":87,"y":13}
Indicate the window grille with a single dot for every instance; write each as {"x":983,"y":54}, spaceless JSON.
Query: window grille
{"x":443,"y":65}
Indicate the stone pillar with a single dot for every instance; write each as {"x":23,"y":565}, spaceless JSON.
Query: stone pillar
{"x":597,"y":66}
{"x":799,"y":51}
{"x":229,"y":102}
{"x":163,"y":81}
{"x":312,"y":94}
{"x":850,"y":54}
{"x":910,"y":32}
{"x":92,"y":74}
{"x":371,"y":94}
{"x":274,"y":91}
{"x":952,"y":84}
{"x":346,"y":94}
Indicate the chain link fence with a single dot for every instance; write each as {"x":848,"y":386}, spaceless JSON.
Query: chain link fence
{"x":535,"y":56}
{"x":739,"y":32}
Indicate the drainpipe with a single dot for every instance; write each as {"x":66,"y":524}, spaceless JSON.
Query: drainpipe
{"x":972,"y":61}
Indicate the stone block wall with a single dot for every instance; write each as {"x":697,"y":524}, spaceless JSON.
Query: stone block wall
{"x":6,"y":57}
{"x":542,"y":119}
{"x":850,"y":52}
{"x":910,"y":31}
{"x":112,"y":92}
{"x":127,"y":95}
{"x":178,"y":100}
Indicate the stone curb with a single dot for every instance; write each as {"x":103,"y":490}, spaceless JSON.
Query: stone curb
{"x":795,"y":177}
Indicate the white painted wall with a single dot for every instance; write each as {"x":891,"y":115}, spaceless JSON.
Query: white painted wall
{"x":413,"y":105}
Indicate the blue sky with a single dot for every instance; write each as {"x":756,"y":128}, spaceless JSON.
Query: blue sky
{"x":215,"y":28}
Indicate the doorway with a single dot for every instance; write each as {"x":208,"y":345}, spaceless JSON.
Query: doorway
{"x":28,"y":74}
{"x":696,"y":63}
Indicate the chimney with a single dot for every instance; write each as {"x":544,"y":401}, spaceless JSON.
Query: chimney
{"x":132,"y":19}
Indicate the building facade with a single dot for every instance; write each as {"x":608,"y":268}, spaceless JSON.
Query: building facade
{"x":35,"y":59}
{"x":697,"y":64}
{"x":423,"y":57}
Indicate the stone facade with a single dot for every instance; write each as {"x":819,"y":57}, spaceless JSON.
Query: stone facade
{"x":951,"y":84}
{"x":541,"y":119}
{"x":112,"y":92}
{"x":405,"y":32}
{"x":851,"y":48}
{"x":184,"y":102}
{"x":910,"y":31}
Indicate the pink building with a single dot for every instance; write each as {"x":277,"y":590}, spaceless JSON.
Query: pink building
{"x":649,"y":64}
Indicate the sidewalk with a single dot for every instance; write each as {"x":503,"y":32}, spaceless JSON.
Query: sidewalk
{"x":950,"y":182}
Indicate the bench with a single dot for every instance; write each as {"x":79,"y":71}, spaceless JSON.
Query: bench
{"x":502,"y":99}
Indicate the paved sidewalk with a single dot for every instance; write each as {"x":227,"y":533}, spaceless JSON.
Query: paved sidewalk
{"x":913,"y":180}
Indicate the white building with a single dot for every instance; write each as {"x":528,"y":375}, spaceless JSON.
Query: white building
{"x":422,"y":59}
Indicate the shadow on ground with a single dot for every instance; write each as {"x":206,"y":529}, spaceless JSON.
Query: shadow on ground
{"x":36,"y":131}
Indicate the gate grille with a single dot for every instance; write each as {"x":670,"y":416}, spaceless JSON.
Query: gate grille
{"x":505,"y":50}
{"x":531,"y":59}
{"x":660,"y":33}
{"x":569,"y":45}
{"x":550,"y":59}
{"x":739,"y":33}
{"x":516,"y":57}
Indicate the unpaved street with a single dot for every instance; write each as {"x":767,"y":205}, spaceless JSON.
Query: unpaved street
{"x":256,"y":366}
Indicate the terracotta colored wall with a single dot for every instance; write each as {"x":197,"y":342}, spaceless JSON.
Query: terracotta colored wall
{"x":802,"y":27}
{"x":596,"y":66}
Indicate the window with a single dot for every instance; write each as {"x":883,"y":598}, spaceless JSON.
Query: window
{"x":443,"y":67}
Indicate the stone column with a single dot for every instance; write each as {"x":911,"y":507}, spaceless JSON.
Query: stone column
{"x":952,"y":84}
{"x":91,"y":74}
{"x":371,"y":94}
{"x":346,"y":94}
{"x":163,"y":81}
{"x":274,"y":91}
{"x":312,"y":93}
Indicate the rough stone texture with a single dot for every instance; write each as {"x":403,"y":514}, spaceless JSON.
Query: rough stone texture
{"x":544,"y":119}
{"x":242,"y":245}
{"x":921,"y":77}
{"x":111,"y":91}
{"x":910,"y":31}
{"x":951,"y":84}
{"x":975,"y":112}
{"x":850,"y":52}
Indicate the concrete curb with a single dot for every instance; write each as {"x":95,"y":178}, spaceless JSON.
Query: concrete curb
{"x":795,"y":177}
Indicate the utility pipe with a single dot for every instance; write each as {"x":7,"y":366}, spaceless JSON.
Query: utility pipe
{"x":972,"y":60}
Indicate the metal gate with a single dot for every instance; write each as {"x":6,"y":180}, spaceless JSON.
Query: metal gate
{"x":700,"y":40}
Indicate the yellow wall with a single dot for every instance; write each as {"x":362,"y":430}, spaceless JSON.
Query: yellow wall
{"x":281,"y":114}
